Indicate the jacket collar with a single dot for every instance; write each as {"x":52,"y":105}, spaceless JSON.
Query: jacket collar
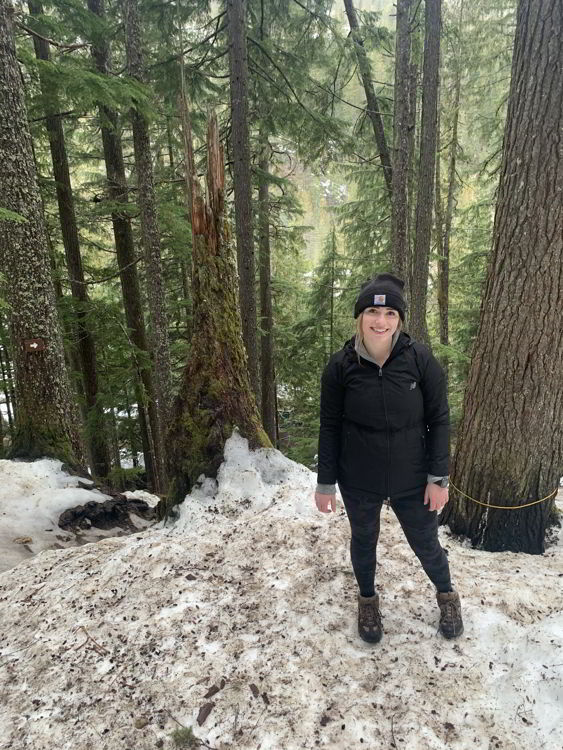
{"x":400,"y":341}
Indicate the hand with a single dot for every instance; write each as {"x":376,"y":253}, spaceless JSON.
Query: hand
{"x":325,"y":502}
{"x":435,"y":496}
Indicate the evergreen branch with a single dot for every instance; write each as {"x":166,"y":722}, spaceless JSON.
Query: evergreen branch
{"x":345,"y":101}
{"x":57,"y":114}
{"x":254,"y":67}
{"x":180,"y":55}
{"x":315,"y":15}
{"x":283,"y":75}
{"x":107,"y":278}
{"x":63,"y":47}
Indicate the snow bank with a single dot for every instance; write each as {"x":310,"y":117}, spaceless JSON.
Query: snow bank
{"x":243,"y":613}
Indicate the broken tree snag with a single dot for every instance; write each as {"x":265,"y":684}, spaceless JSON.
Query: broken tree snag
{"x":215,"y":396}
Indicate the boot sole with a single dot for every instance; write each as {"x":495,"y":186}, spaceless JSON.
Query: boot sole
{"x":452,"y":635}
{"x":370,"y":640}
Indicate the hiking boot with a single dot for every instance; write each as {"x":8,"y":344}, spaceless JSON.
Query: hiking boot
{"x":451,"y":624}
{"x":369,"y":618}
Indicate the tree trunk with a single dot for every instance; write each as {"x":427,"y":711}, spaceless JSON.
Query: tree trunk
{"x":216,"y":395}
{"x":268,"y":389}
{"x":425,"y":193}
{"x":439,"y":236}
{"x":510,"y":445}
{"x":236,"y":12}
{"x":373,"y":108}
{"x":93,"y":414}
{"x":118,"y":193}
{"x":5,"y":370}
{"x":400,"y":202}
{"x":444,"y":258}
{"x":189,"y":169}
{"x":114,"y":439}
{"x":150,"y":233}
{"x":46,"y":418}
{"x":411,"y":206}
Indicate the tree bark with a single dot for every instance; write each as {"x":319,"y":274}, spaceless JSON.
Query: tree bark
{"x":126,"y":259}
{"x":238,"y":65}
{"x":400,"y":202}
{"x":46,"y":418}
{"x":93,"y":414}
{"x":373,"y":108}
{"x":150,"y":233}
{"x":268,"y":389}
{"x":411,"y":207}
{"x":444,"y":257}
{"x":6,"y":370}
{"x":510,"y":445}
{"x":216,"y":395}
{"x":439,"y":232}
{"x":425,"y":193}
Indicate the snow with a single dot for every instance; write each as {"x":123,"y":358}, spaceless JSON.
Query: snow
{"x":32,"y":497}
{"x":115,"y":644}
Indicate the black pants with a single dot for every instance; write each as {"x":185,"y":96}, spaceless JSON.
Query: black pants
{"x":419,"y":525}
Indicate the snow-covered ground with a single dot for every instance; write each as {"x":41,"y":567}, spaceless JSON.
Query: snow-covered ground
{"x":243,"y":613}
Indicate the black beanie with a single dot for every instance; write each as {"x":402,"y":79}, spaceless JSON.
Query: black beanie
{"x":385,"y":290}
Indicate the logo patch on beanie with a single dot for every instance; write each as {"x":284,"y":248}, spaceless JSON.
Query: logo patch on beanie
{"x":378,"y":299}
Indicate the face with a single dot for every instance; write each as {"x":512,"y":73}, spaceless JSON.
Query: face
{"x":379,"y":324}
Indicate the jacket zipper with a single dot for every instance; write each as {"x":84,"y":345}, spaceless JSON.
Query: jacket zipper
{"x":388,"y":498}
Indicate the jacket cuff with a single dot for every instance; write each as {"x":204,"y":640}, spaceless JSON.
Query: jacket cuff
{"x":431,"y":478}
{"x":326,"y":489}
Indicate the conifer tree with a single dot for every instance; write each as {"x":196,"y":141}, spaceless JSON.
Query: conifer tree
{"x":126,"y":256}
{"x":510,"y":446}
{"x":216,"y":395}
{"x":149,"y":228}
{"x":45,"y":419}
{"x":94,"y":415}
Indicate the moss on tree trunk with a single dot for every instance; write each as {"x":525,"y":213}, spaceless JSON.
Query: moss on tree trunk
{"x":215,"y":396}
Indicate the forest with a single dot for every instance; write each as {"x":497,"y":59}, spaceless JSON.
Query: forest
{"x":193,"y":192}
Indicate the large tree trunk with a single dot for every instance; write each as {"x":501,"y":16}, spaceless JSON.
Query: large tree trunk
{"x":46,"y":418}
{"x":510,"y":445}
{"x":425,"y":193}
{"x":236,"y":12}
{"x":373,"y":108}
{"x":215,"y":396}
{"x":268,"y":389}
{"x":94,"y":413}
{"x":126,"y":259}
{"x":400,"y":202}
{"x":149,"y":230}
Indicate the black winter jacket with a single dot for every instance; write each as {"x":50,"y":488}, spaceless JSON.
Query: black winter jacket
{"x":383,"y":429}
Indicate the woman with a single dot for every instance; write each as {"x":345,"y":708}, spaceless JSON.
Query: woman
{"x":384,"y":438}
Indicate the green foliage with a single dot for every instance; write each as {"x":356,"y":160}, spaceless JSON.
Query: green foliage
{"x":6,"y":215}
{"x":133,"y":478}
{"x":184,"y":737}
{"x":307,"y":102}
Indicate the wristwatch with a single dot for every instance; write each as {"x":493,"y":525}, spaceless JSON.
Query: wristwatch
{"x":442,"y":482}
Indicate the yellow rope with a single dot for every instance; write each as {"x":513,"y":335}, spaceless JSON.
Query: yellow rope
{"x":504,"y":507}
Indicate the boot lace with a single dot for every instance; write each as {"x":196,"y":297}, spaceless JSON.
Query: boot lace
{"x":450,"y":616}
{"x":371,"y":616}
